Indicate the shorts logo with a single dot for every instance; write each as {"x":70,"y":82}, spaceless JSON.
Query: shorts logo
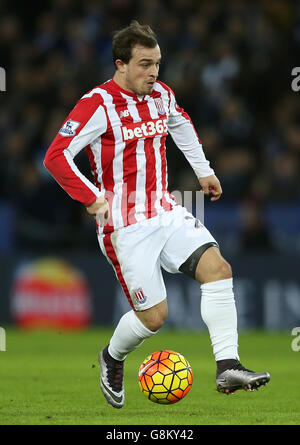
{"x":69,"y":128}
{"x":139,"y":296}
{"x":160,"y":105}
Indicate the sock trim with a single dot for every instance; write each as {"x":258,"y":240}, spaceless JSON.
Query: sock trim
{"x":217,"y":285}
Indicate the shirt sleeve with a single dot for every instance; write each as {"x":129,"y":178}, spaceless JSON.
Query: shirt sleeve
{"x":86,"y":122}
{"x":186,"y":138}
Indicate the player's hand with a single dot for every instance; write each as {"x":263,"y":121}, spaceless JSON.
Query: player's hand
{"x":211,"y":186}
{"x":99,"y":210}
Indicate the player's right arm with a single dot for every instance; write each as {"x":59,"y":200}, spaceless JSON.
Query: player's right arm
{"x":86,"y":122}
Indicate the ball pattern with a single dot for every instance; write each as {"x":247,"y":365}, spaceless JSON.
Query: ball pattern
{"x":165,"y":377}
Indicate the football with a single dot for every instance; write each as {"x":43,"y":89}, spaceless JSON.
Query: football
{"x":165,"y":377}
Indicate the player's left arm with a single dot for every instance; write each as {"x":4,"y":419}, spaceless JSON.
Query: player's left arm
{"x":183,"y":133}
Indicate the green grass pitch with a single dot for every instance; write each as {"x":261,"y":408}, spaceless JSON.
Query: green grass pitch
{"x":52,"y":378}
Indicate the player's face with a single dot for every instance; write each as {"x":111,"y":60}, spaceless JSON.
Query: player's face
{"x":142,"y":70}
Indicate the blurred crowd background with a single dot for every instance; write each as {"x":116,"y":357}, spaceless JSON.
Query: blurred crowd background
{"x":229,"y":63}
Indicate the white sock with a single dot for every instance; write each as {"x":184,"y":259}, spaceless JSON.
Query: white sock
{"x":128,"y":336}
{"x":218,"y":312}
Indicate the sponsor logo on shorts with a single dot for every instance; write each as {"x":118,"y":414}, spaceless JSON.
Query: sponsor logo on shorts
{"x":69,"y":128}
{"x":139,"y":296}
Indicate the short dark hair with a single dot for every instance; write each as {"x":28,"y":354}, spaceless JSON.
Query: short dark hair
{"x":125,"y":39}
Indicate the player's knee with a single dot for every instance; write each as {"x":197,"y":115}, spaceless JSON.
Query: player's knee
{"x":155,"y":324}
{"x":157,"y":320}
{"x":225,"y":270}
{"x":154,"y":317}
{"x":219,"y":269}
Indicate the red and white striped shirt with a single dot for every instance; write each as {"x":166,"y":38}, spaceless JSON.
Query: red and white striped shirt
{"x":124,"y":136}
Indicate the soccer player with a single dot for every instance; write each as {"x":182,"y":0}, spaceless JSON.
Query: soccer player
{"x":123,"y":125}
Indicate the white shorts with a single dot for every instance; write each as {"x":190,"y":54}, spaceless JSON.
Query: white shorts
{"x":137,"y":252}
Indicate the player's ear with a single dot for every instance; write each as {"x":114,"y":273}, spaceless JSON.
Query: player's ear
{"x":120,"y":65}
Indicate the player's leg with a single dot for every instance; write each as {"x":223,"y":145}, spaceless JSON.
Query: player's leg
{"x":134,"y":327}
{"x":142,"y":282}
{"x":154,"y":317}
{"x":218,"y":308}
{"x":191,"y":249}
{"x":219,"y":313}
{"x":129,"y":334}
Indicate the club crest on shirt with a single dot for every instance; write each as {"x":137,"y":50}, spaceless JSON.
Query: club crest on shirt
{"x":159,"y":105}
{"x":69,"y":128}
{"x":140,"y":297}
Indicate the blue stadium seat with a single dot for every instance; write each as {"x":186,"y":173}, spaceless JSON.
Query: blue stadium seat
{"x":284,"y":218}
